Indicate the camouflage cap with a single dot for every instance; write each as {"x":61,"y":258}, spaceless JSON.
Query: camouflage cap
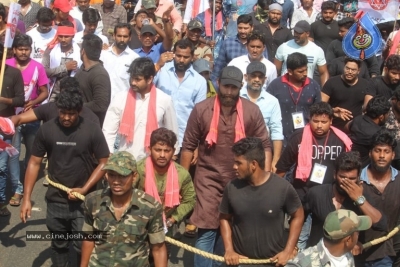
{"x":195,"y":24}
{"x":341,"y":223}
{"x":147,"y":4}
{"x":121,"y":162}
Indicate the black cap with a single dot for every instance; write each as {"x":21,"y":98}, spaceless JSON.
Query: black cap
{"x":147,"y":28}
{"x":231,"y":75}
{"x":302,"y":26}
{"x":256,"y":66}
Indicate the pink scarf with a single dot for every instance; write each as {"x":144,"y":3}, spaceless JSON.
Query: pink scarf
{"x":239,"y":126}
{"x":304,"y":164}
{"x":207,"y":20}
{"x":171,"y":194}
{"x":395,"y":44}
{"x":127,"y":126}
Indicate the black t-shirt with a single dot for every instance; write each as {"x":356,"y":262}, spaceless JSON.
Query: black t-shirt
{"x":258,"y":215}
{"x":72,"y":153}
{"x":379,"y":87}
{"x":324,"y":33}
{"x":324,"y":156}
{"x":49,"y":111}
{"x":336,"y":67}
{"x":350,"y":97}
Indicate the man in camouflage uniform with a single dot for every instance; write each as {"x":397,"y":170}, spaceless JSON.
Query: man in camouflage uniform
{"x":128,"y":220}
{"x":341,"y":229}
{"x":194,"y":32}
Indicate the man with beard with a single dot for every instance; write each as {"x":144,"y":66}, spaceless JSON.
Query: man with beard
{"x":274,"y":33}
{"x":121,"y":53}
{"x":77,"y":13}
{"x":382,"y":183}
{"x":256,"y":44}
{"x":179,"y":80}
{"x":165,"y":180}
{"x":363,"y":127}
{"x":35,"y":87}
{"x":90,"y":18}
{"x":268,"y":104}
{"x":195,"y":29}
{"x":232,"y":118}
{"x":135,"y":113}
{"x":253,"y":208}
{"x":301,"y":44}
{"x":148,"y":37}
{"x":324,"y":31}
{"x":347,"y":192}
{"x":28,"y":12}
{"x":93,"y":78}
{"x":386,"y":84}
{"x":346,"y":93}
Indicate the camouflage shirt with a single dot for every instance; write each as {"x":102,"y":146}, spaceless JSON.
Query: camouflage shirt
{"x":315,"y":257}
{"x":393,"y":125}
{"x":124,"y":242}
{"x":203,"y":51}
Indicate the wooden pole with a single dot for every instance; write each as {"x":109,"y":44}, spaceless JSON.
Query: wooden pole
{"x":3,"y":68}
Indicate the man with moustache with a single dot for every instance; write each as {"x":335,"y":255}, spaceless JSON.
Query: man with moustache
{"x":179,"y":80}
{"x":195,"y":29}
{"x":91,"y":18}
{"x":347,"y":192}
{"x":120,"y":205}
{"x":382,"y":183}
{"x":133,"y":115}
{"x":77,"y":13}
{"x":346,"y":93}
{"x":253,"y":208}
{"x":121,"y":53}
{"x":232,"y":118}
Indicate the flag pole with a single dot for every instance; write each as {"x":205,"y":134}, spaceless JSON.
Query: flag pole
{"x":213,"y":22}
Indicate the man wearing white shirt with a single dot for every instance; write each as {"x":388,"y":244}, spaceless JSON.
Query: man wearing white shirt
{"x":255,"y":47}
{"x":77,"y":12}
{"x":306,"y":12}
{"x":119,"y":53}
{"x":91,"y":18}
{"x":135,"y":114}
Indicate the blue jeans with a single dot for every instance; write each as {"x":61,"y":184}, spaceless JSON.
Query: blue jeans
{"x":3,"y":174}
{"x":384,"y":262}
{"x":305,"y":233}
{"x":28,"y":132}
{"x":208,"y":240}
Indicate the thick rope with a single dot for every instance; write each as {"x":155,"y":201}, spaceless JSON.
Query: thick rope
{"x":168,"y":239}
{"x":381,"y":239}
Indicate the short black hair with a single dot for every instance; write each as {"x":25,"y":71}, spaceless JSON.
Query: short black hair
{"x":256,"y":35}
{"x":328,"y":5}
{"x":377,"y":106}
{"x":45,"y":14}
{"x":252,"y":149}
{"x":321,"y":108}
{"x":393,"y":62}
{"x":91,"y":15}
{"x":346,"y":22}
{"x":163,"y":135}
{"x":69,"y":99}
{"x":66,"y":23}
{"x":349,"y":59}
{"x":246,"y":19}
{"x":184,"y":44}
{"x":383,"y":137}
{"x":3,"y":12}
{"x":348,"y":161}
{"x":264,"y":4}
{"x":142,"y":66}
{"x":396,"y":95}
{"x":141,"y":11}
{"x":121,"y":26}
{"x":21,"y":40}
{"x":296,"y":60}
{"x":92,"y":44}
{"x":69,"y":82}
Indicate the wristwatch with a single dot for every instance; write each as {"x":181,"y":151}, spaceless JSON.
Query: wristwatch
{"x":360,"y":200}
{"x":169,"y":223}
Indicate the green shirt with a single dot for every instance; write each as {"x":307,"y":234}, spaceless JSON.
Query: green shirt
{"x":124,"y":242}
{"x":186,"y":190}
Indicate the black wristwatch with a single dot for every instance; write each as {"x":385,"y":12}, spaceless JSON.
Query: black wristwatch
{"x":360,"y":201}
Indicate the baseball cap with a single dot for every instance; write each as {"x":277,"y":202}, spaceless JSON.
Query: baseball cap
{"x":148,"y":28}
{"x":121,"y":162}
{"x":195,"y":24}
{"x":341,"y":223}
{"x":302,"y":26}
{"x":256,"y":66}
{"x":62,"y":5}
{"x":201,"y":65}
{"x":231,"y":75}
{"x":147,"y":4}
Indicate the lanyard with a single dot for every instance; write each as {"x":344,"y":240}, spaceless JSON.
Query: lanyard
{"x":316,"y":143}
{"x":298,"y":98}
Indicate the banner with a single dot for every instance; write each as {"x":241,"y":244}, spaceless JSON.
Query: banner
{"x":380,"y":10}
{"x":12,"y":21}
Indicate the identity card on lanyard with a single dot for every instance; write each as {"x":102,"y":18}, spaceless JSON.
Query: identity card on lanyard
{"x":297,"y":117}
{"x":319,"y":170}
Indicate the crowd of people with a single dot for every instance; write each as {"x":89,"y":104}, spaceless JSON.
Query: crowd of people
{"x":244,"y":120}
